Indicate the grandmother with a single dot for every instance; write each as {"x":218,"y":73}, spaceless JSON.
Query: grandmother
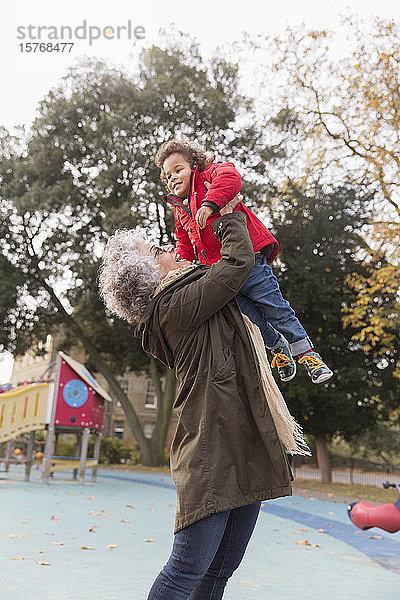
{"x":226,"y":455}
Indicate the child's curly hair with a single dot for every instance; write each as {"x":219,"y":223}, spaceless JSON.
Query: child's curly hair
{"x":192,"y":152}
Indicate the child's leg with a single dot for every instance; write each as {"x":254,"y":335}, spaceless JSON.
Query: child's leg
{"x":269,"y":334}
{"x":262,"y":289}
{"x":273,"y":340}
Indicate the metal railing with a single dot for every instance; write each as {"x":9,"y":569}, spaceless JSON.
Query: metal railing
{"x":352,"y":472}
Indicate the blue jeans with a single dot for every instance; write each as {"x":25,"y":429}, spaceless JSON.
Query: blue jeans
{"x":261,"y":300}
{"x":204,"y":556}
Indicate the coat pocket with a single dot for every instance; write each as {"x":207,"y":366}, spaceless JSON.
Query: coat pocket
{"x":226,"y":370}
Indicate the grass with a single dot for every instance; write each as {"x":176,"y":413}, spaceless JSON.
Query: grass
{"x":344,"y":491}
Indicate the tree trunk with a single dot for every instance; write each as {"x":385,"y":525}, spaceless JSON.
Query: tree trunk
{"x":324,"y":463}
{"x":165,"y":399}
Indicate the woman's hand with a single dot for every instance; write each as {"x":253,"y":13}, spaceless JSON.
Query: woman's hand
{"x":231,"y":205}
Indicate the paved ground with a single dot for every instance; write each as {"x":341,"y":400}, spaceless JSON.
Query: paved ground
{"x":108,"y":541}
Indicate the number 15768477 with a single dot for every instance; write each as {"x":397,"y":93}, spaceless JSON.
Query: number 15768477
{"x":46,"y":47}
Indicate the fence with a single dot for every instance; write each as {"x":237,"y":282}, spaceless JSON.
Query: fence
{"x":361,"y":473}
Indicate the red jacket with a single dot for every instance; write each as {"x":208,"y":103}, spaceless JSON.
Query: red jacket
{"x":193,"y":242}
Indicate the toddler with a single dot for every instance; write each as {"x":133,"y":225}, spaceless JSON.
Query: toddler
{"x":199,"y":191}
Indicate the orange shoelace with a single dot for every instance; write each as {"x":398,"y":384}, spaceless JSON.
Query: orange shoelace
{"x":280,"y":360}
{"x":312,"y":362}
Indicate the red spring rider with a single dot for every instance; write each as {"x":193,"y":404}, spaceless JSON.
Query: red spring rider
{"x":385,"y":516}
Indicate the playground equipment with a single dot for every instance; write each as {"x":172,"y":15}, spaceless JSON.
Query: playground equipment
{"x":74,"y":403}
{"x":385,"y":516}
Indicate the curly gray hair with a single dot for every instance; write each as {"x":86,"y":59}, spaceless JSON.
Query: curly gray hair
{"x":128,"y":276}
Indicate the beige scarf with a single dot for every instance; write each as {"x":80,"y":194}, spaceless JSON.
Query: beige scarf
{"x":289,"y":431}
{"x":171,"y":276}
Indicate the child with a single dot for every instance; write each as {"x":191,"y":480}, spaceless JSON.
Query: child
{"x":199,"y":189}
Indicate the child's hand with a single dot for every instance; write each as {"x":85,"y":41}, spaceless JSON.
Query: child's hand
{"x":202,"y":215}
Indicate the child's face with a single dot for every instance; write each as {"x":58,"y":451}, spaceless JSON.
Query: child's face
{"x":177,"y":171}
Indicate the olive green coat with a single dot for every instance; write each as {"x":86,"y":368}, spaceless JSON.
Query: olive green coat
{"x":226,"y":452}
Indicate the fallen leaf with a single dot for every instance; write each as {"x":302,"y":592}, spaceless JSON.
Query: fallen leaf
{"x":40,"y":552}
{"x":91,"y":497}
{"x":45,"y":564}
{"x":331,"y":513}
{"x":53,"y":518}
{"x":376,"y":537}
{"x":330,"y":525}
{"x":149,"y":540}
{"x":263,"y":505}
{"x":25,"y":522}
{"x":296,"y":531}
{"x":322,"y":530}
{"x":112,"y":546}
{"x":57,"y":543}
{"x":277,"y":535}
{"x":19,"y":558}
{"x":129,"y":506}
{"x":92,"y":530}
{"x":303,"y":543}
{"x":358,"y":532}
{"x":13,"y":536}
{"x":316,"y":546}
{"x":86,"y":547}
{"x":304,"y":529}
{"x":124,"y":521}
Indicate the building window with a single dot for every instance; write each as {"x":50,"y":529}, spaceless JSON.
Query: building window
{"x":148,"y":429}
{"x":151,"y":396}
{"x":119,"y":429}
{"x":124,"y":383}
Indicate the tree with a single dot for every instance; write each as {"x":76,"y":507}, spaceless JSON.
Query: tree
{"x":341,"y":117}
{"x":319,"y":233}
{"x":86,"y":169}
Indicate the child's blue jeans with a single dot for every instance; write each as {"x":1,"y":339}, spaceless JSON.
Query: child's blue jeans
{"x":205,"y":555}
{"x":261,"y":300}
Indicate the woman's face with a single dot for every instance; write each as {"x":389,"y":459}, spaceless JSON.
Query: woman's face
{"x":165,"y":257}
{"x":177,"y":171}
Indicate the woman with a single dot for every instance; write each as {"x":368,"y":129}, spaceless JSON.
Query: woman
{"x":226,"y":456}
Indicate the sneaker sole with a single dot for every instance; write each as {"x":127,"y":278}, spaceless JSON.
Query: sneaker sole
{"x":323,"y":377}
{"x":291,"y":377}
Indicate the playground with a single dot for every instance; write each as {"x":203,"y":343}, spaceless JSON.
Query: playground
{"x":108,"y":539}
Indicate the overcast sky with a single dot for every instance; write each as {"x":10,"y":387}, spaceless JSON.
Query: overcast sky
{"x":27,"y":77}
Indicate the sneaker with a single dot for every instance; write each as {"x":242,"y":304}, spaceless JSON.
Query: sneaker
{"x":284,"y":362}
{"x":315,"y":367}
